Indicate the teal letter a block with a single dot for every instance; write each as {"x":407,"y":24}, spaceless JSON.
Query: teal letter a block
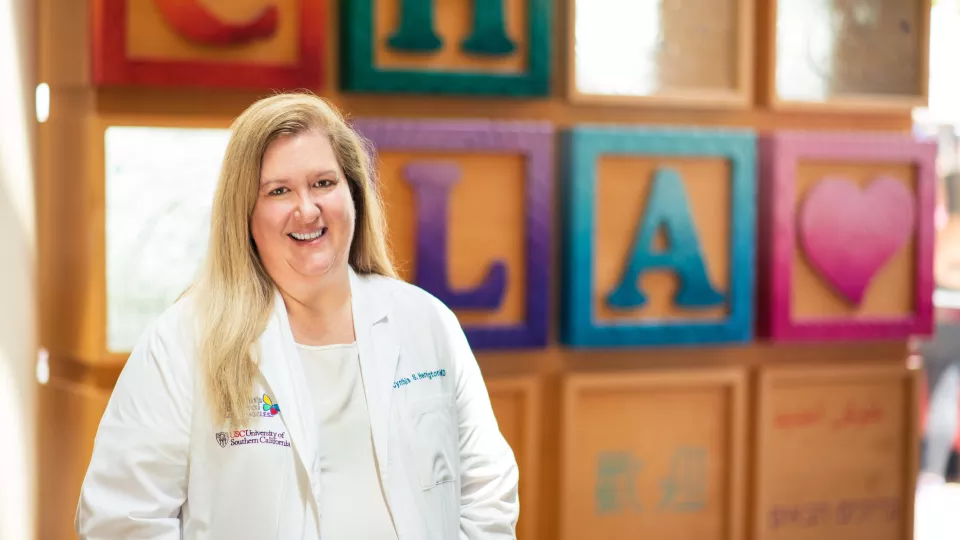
{"x":667,"y":210}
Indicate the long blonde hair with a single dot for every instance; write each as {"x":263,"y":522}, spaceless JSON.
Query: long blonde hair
{"x":233,"y":293}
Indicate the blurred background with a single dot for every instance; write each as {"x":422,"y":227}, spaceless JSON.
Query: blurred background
{"x":771,"y":187}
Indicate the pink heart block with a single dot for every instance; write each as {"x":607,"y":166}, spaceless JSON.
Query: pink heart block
{"x":848,"y":234}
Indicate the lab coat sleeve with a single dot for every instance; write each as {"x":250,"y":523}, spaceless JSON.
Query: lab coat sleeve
{"x":489,"y":499}
{"x":137,"y":478}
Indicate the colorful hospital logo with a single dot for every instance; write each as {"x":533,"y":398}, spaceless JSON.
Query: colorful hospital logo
{"x":222,"y":439}
{"x":269,"y":406}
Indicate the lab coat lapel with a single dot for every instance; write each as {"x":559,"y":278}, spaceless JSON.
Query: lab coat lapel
{"x":281,"y":368}
{"x":379,"y":352}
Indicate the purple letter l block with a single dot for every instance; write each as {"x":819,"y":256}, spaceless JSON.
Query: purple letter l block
{"x":432,"y":182}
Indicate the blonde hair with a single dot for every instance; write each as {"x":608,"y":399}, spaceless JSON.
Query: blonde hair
{"x":233,"y":293}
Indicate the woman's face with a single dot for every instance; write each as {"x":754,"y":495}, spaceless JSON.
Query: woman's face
{"x":303,"y":220}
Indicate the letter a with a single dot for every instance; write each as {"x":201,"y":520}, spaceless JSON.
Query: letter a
{"x":667,"y":207}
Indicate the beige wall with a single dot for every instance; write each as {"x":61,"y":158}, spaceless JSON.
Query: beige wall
{"x":18,"y":448}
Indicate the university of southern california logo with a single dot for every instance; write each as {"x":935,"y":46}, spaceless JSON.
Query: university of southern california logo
{"x":269,"y":406}
{"x":222,"y":439}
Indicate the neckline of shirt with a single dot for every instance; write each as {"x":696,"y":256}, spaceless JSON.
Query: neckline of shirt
{"x":326,"y":347}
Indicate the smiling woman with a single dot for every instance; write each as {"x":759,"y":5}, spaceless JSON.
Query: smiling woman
{"x":297,"y":305}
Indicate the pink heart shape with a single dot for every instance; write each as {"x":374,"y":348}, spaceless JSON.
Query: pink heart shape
{"x":848,"y":234}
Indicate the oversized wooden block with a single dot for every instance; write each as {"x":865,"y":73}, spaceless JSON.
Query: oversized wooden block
{"x":517,"y":404}
{"x":209,"y":43}
{"x":695,"y":53}
{"x":836,"y":453}
{"x":469,"y":209}
{"x":847,"y":236}
{"x":847,"y":56}
{"x":447,"y":47}
{"x":659,"y":237}
{"x":658,"y":452}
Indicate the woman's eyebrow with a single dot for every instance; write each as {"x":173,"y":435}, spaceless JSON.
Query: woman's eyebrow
{"x":313,"y":174}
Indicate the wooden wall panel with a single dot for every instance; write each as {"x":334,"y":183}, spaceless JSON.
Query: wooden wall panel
{"x":70,"y":413}
{"x":517,"y":403}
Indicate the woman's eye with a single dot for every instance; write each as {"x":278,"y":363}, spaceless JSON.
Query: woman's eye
{"x":278,"y":191}
{"x":324,"y":183}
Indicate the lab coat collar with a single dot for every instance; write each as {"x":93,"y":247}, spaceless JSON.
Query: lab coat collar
{"x":379,"y":353}
{"x":368,"y":308}
{"x":283,"y":372}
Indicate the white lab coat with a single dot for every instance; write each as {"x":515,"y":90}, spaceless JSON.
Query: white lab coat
{"x":162,"y":469}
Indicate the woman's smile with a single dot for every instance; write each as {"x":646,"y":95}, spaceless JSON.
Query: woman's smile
{"x":309,"y":238}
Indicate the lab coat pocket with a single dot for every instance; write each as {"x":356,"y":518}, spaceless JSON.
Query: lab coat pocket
{"x":433,"y":440}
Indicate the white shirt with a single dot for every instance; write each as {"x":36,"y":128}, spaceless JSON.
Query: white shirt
{"x":354,"y":506}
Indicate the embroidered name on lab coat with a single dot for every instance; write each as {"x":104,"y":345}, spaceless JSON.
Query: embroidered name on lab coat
{"x":419,"y":376}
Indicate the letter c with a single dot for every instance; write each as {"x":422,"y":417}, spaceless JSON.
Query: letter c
{"x":195,"y":22}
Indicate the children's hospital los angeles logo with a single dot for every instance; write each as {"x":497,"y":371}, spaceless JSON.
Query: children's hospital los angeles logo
{"x":260,"y":407}
{"x":268,"y":406}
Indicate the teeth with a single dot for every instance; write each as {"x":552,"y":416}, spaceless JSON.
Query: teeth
{"x":308,"y":236}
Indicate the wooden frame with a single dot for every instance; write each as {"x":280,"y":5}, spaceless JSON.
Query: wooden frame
{"x":780,"y":155}
{"x":111,"y":66}
{"x":865,"y":103}
{"x":534,"y":140}
{"x":95,"y":326}
{"x":740,"y":98}
{"x":359,"y":72}
{"x":583,"y":147}
{"x":910,"y":435}
{"x":528,"y":387}
{"x":733,"y":379}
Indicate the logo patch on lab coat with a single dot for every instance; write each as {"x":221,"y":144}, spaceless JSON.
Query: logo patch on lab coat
{"x":262,"y":406}
{"x":252,"y":436}
{"x":269,"y":406}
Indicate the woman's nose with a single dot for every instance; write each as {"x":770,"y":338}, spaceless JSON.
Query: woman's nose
{"x":308,"y":209}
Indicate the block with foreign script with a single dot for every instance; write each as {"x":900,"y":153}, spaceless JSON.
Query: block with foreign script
{"x":659,"y":239}
{"x":256,"y":44}
{"x":846,"y":236}
{"x":468,"y":205}
{"x":835,"y":453}
{"x":496,"y":47}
